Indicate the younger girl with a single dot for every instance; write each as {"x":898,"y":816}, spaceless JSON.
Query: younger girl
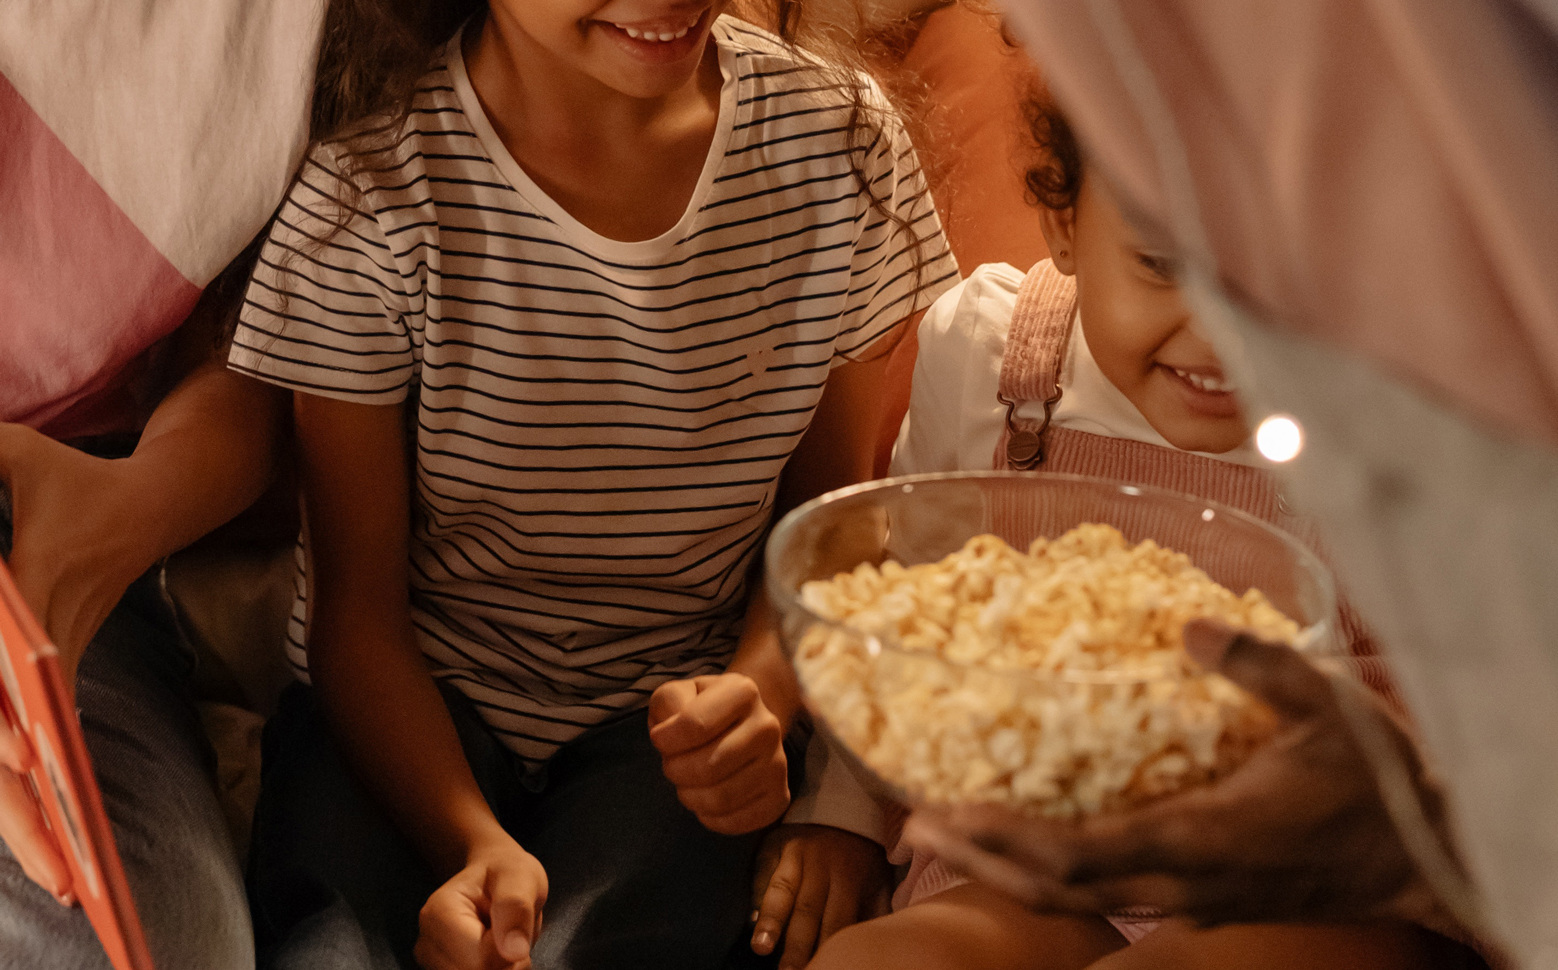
{"x":556,"y":321}
{"x":1090,"y":364}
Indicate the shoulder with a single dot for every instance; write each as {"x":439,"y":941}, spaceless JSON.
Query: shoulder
{"x":775,"y":74}
{"x":383,"y":154}
{"x":976,"y":313}
{"x":749,"y":40}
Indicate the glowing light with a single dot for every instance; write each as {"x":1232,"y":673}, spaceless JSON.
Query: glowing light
{"x":1279,"y":438}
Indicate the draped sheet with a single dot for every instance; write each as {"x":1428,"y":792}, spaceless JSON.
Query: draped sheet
{"x":1365,"y":192}
{"x":142,"y":144}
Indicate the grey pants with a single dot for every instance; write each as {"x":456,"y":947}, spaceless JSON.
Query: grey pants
{"x":154,"y":766}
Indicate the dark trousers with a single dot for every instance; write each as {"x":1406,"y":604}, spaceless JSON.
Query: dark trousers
{"x":635,"y":879}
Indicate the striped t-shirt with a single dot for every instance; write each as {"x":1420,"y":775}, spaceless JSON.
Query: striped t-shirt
{"x":599,"y":426}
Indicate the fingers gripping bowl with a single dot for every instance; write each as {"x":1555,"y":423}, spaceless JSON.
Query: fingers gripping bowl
{"x":1016,"y":637}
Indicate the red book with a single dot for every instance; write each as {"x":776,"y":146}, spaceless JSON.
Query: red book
{"x":36,"y":704}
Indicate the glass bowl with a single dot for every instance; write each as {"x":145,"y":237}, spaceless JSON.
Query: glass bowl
{"x":922,"y":729}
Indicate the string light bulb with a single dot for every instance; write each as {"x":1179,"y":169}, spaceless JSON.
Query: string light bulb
{"x":1279,"y":438}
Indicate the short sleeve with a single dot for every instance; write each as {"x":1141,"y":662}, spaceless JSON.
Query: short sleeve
{"x":955,"y":418}
{"x":326,"y":310}
{"x":901,"y":261}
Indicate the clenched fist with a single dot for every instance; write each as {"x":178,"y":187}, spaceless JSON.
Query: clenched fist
{"x":723,"y":749}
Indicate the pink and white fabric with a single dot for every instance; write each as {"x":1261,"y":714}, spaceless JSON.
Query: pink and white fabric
{"x":142,"y":144}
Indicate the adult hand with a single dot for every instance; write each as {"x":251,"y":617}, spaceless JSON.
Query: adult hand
{"x":66,"y":533}
{"x":488,"y":916}
{"x":1299,"y":832}
{"x":812,"y":881}
{"x":77,"y":542}
{"x":723,"y":749}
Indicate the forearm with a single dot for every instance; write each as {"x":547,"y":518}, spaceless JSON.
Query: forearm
{"x":836,"y":451}
{"x":397,"y":735}
{"x":207,"y":453}
{"x":761,"y":657}
{"x":386,"y":711}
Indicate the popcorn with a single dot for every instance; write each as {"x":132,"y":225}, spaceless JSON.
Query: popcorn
{"x":1054,"y":682}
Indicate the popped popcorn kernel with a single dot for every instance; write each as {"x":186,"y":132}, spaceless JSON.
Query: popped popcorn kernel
{"x":1053,"y":681}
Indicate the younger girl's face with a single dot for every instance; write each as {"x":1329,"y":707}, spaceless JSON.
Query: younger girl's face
{"x":1138,"y":328}
{"x":639,"y":48}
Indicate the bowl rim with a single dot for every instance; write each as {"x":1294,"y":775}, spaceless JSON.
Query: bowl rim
{"x":1318,"y":638}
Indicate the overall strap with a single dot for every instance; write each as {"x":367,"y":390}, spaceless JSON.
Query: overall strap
{"x":1030,"y":368}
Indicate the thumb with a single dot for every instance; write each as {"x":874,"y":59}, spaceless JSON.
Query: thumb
{"x":1273,"y":672}
{"x":515,"y":911}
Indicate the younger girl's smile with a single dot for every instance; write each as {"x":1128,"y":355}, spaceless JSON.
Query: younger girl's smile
{"x":1204,"y":390}
{"x":1138,"y":328}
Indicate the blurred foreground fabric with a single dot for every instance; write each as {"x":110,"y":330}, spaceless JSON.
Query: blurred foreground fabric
{"x":1364,"y":195}
{"x":142,"y":144}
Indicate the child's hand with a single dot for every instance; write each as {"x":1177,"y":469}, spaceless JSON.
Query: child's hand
{"x":818,"y":880}
{"x":487,"y":916}
{"x":723,"y":749}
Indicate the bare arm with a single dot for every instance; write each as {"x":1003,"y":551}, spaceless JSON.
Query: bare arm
{"x":87,"y":527}
{"x":721,"y":737}
{"x":377,"y":692}
{"x":362,"y":657}
{"x":838,"y":449}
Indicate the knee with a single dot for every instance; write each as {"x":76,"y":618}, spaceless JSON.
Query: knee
{"x":873,"y":943}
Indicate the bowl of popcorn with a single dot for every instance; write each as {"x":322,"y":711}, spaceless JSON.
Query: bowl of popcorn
{"x":1016,"y":638}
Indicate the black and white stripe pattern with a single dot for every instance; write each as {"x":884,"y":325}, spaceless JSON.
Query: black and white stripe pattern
{"x":599,"y":425}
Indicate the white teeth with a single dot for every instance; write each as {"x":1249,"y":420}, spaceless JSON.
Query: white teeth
{"x":1213,"y":385}
{"x":655,"y":36}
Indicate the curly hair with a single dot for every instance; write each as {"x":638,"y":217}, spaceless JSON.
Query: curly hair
{"x":1055,"y":178}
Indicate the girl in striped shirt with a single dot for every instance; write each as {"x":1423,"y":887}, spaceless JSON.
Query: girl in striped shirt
{"x":568,"y":313}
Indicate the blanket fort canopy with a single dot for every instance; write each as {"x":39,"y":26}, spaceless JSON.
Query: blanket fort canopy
{"x":142,"y":144}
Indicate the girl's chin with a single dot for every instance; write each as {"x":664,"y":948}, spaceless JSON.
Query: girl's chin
{"x":1194,"y":420}
{"x":1207,"y":444}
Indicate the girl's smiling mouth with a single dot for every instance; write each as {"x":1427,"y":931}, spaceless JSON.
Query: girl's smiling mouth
{"x":664,"y":40}
{"x":1205,"y":391}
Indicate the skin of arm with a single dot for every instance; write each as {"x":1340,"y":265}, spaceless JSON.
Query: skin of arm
{"x":86,"y":527}
{"x":838,"y":449}
{"x":386,"y":712}
{"x":721,"y":736}
{"x":813,"y":879}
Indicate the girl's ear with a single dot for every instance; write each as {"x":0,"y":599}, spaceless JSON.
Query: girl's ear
{"x":1059,"y":227}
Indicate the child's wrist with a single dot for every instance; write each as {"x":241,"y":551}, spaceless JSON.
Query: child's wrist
{"x":770,"y":693}
{"x":469,"y":838}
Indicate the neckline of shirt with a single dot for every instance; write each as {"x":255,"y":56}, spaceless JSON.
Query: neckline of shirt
{"x":593,"y":242}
